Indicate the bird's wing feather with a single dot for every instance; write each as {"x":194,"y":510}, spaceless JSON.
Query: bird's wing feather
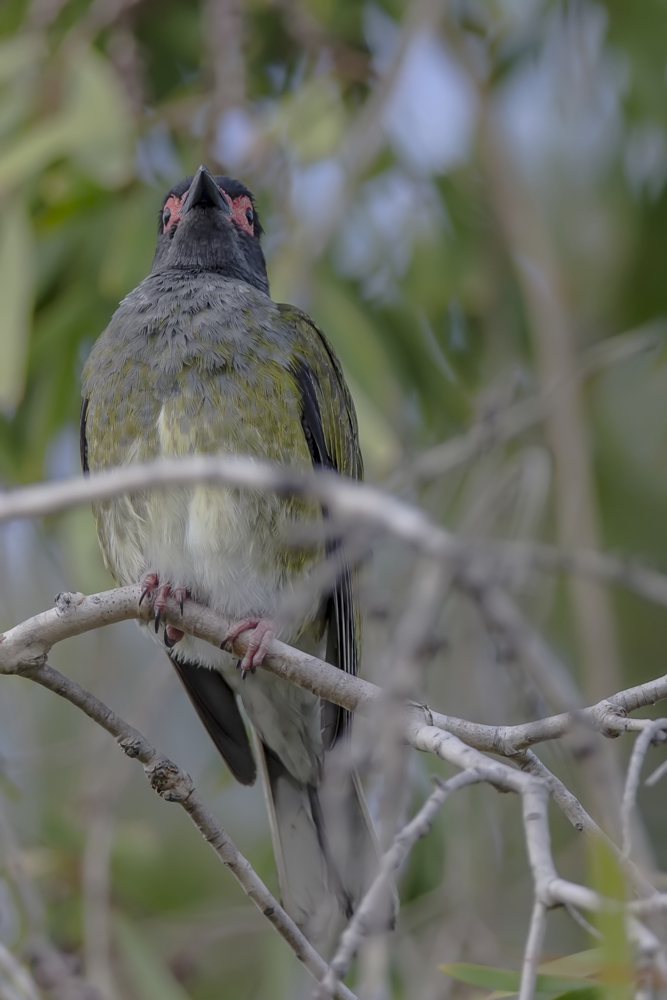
{"x":330,"y":427}
{"x":215,"y":704}
{"x":83,"y":442}
{"x":336,"y":410}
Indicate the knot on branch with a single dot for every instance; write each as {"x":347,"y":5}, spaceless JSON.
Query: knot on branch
{"x":65,"y":604}
{"x":546,"y":892}
{"x":505,"y":741}
{"x":607,"y":719}
{"x":428,"y":714}
{"x":57,"y":973}
{"x":133,"y":746}
{"x":169,"y":781}
{"x":26,"y":662}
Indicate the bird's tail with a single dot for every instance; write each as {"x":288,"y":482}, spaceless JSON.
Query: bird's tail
{"x":325,"y":848}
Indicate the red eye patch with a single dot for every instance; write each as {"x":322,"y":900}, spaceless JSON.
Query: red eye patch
{"x":171,"y":212}
{"x":242,"y":211}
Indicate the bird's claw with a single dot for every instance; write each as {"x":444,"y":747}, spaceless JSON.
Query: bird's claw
{"x":151,"y":584}
{"x":179,"y":594}
{"x":148,"y":585}
{"x":264,"y":631}
{"x":160,"y":603}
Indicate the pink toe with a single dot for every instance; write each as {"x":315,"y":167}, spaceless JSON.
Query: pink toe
{"x":258,"y":645}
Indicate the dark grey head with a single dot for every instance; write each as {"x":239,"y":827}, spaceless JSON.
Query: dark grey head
{"x":210,"y":223}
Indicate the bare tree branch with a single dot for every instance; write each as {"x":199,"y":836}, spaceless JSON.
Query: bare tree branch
{"x":531,"y":955}
{"x":346,"y":500}
{"x":24,"y":649}
{"x":639,"y":751}
{"x":496,"y":427}
{"x":374,"y":900}
{"x":223,"y":24}
{"x":74,"y":614}
{"x":350,"y":502}
{"x":174,"y":785}
{"x":506,"y":561}
{"x":539,"y":281}
{"x":16,"y":983}
{"x":50,"y":968}
{"x":650,"y":959}
{"x":461,"y":743}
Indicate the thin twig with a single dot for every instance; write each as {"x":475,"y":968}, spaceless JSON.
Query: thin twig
{"x":75,"y":614}
{"x":103,"y":787}
{"x":506,"y":561}
{"x":639,"y":751}
{"x":346,"y":500}
{"x":533,"y":950}
{"x":580,"y":919}
{"x":498,"y":427}
{"x":650,"y":957}
{"x":50,"y":968}
{"x":16,"y":983}
{"x":174,"y":785}
{"x":30,"y":642}
{"x":23,"y":650}
{"x":656,"y":775}
{"x":580,"y":819}
{"x":402,"y":659}
{"x":539,"y":282}
{"x":365,"y":916}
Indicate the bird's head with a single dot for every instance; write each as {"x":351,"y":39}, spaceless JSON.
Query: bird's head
{"x":210,"y":223}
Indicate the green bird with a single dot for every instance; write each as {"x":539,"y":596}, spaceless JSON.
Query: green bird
{"x":198,"y":359}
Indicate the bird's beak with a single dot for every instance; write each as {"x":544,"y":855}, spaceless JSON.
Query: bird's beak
{"x":204,"y":191}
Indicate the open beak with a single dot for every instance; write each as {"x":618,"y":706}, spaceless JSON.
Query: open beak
{"x":204,"y":191}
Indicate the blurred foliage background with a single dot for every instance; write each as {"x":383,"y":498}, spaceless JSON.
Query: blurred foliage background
{"x":470,"y":198}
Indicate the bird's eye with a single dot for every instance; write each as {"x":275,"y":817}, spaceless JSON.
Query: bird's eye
{"x":166,"y":216}
{"x":250,"y":216}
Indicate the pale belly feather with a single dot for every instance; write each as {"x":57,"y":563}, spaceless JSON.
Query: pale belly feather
{"x":213,"y":541}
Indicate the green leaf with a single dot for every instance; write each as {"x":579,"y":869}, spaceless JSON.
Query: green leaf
{"x":130,"y":245}
{"x":380,"y":445}
{"x":578,"y":965}
{"x":150,"y":977}
{"x":607,"y":878}
{"x":24,"y":157}
{"x":94,"y":127}
{"x":507,"y":980}
{"x":313,"y":119}
{"x":7,"y":787}
{"x":19,"y":53}
{"x":587,"y":993}
{"x":19,"y":60}
{"x":16,"y":283}
{"x":99,"y":121}
{"x":358,"y":342}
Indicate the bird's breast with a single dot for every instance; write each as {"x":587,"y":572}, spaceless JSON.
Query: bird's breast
{"x":212,"y":378}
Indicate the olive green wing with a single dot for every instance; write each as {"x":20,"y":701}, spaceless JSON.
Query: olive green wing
{"x":329,"y":424}
{"x":337,"y":421}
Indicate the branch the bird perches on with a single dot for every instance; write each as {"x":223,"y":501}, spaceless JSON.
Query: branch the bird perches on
{"x":24,"y":650}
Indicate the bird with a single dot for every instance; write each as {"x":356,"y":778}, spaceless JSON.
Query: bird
{"x":198,"y":359}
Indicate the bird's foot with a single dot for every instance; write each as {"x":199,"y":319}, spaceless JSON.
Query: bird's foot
{"x":151,"y":584}
{"x":172,"y":636}
{"x":264,"y":630}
